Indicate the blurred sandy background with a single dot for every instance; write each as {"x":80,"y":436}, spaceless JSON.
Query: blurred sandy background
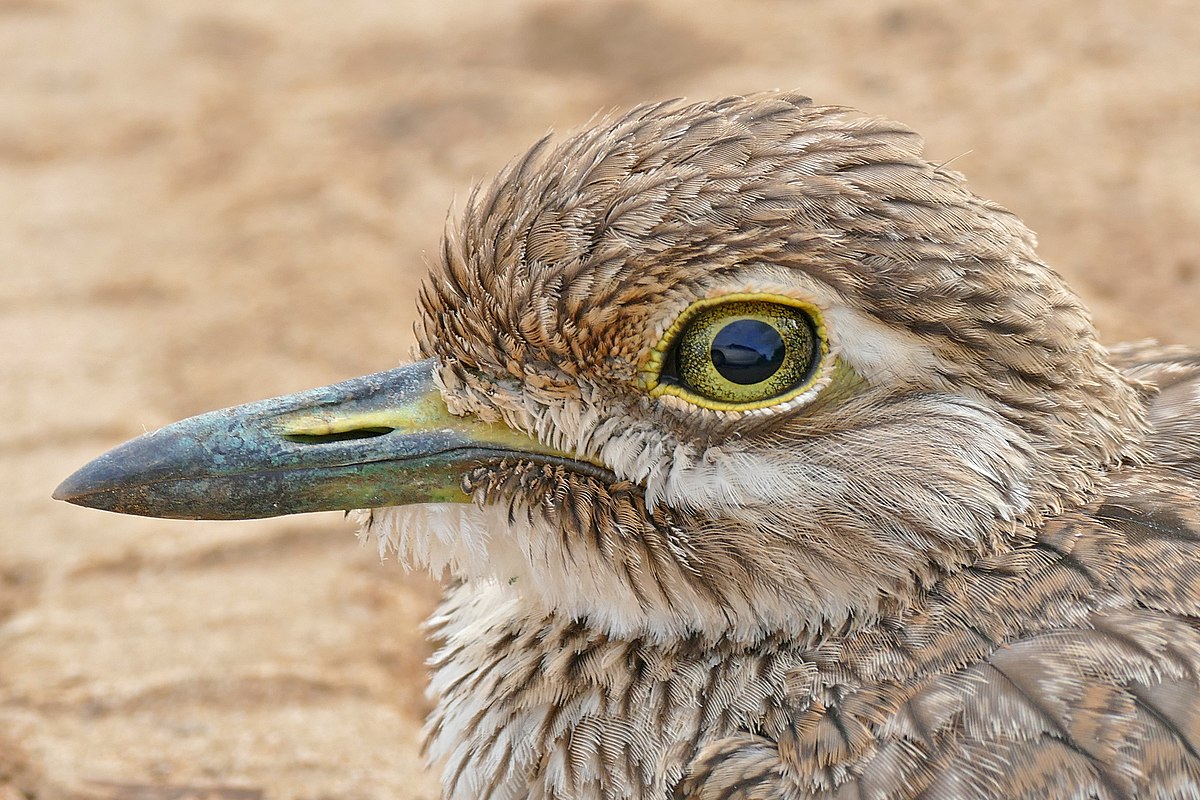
{"x":204,"y":203}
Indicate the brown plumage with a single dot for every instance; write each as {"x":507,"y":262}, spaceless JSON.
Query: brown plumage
{"x":976,"y":573}
{"x":956,"y":554}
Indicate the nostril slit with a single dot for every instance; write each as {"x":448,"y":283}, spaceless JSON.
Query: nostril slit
{"x":339,"y":436}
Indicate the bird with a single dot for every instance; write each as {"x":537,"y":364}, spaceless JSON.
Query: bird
{"x":763,"y":461}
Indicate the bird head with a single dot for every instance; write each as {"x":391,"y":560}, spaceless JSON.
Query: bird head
{"x":733,"y":368}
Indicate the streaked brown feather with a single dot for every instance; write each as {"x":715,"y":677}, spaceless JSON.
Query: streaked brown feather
{"x":991,"y":565}
{"x":1083,"y":680}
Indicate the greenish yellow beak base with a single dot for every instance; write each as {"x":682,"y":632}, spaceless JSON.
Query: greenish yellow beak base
{"x":380,"y":440}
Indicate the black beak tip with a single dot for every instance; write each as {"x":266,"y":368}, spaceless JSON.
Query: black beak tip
{"x":92,"y":485}
{"x":117,"y":478}
{"x":66,"y":491}
{"x":76,"y":488}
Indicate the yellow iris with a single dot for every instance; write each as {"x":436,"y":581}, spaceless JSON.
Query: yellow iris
{"x":738,"y":352}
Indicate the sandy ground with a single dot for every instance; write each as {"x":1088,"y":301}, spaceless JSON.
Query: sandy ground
{"x":205,"y":202}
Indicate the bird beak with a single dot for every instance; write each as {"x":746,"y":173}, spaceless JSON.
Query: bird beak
{"x":379,"y":440}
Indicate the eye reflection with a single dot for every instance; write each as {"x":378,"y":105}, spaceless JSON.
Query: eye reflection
{"x":748,"y":351}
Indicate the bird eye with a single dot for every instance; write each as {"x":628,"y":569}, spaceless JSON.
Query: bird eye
{"x":739,"y":354}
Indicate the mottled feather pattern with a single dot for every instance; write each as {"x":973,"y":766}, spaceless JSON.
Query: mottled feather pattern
{"x":1066,"y":666}
{"x":971,"y":571}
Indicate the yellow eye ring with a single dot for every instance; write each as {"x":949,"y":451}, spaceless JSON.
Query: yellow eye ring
{"x":738,"y":352}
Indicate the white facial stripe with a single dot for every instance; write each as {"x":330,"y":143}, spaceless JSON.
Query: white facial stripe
{"x":879,"y":353}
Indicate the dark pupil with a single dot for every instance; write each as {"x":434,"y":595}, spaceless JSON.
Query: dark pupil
{"x":748,"y":351}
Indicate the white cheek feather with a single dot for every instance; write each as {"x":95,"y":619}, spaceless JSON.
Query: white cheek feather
{"x":521,"y":562}
{"x":717,"y":479}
